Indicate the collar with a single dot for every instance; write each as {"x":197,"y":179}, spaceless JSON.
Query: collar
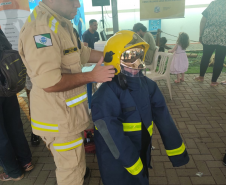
{"x":135,"y":83}
{"x":58,"y":17}
{"x":91,"y":32}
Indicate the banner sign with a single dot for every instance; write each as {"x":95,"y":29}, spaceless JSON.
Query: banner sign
{"x":154,"y":25}
{"x":14,"y":5}
{"x":13,"y":14}
{"x":161,"y":9}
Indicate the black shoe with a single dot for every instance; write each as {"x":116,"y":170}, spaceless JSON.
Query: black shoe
{"x":224,"y":160}
{"x":35,"y":140}
{"x":87,"y":173}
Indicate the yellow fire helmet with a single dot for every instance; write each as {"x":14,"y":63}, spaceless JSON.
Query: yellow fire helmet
{"x":126,"y":51}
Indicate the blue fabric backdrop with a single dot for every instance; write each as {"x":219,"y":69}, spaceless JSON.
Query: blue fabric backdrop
{"x":79,"y":20}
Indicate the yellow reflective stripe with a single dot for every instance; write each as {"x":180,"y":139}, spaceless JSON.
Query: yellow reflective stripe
{"x":45,"y":124}
{"x":29,"y":18}
{"x":50,"y":22}
{"x":75,"y":97}
{"x":72,"y":102}
{"x":177,"y":151}
{"x":35,"y":13}
{"x":68,"y":143}
{"x":32,"y":16}
{"x":37,"y":125}
{"x":42,"y":129}
{"x":63,"y":150}
{"x":150,"y":129}
{"x":56,"y":27}
{"x":131,"y":127}
{"x":62,"y":147}
{"x":136,"y":168}
{"x":53,"y":24}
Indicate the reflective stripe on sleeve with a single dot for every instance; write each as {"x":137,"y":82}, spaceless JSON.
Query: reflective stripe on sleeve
{"x":72,"y":102}
{"x":37,"y":125}
{"x":62,"y":147}
{"x":53,"y":24}
{"x":131,"y":127}
{"x":150,"y":129}
{"x":177,"y":151}
{"x":136,"y":168}
{"x":32,"y":16}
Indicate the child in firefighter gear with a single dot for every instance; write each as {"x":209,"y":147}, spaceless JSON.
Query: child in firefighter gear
{"x":124,"y":111}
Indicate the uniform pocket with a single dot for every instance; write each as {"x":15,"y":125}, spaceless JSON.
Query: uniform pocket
{"x":68,"y":151}
{"x":77,"y":106}
{"x":79,"y":115}
{"x":71,"y":63}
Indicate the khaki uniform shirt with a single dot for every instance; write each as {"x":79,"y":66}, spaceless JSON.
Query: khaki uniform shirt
{"x":48,"y":47}
{"x":148,"y":37}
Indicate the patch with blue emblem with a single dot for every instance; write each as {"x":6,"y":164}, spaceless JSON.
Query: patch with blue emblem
{"x":43,"y":40}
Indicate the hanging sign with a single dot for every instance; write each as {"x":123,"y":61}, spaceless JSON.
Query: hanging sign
{"x":161,"y":9}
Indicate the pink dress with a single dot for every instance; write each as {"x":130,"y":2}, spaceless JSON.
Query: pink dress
{"x":180,"y":61}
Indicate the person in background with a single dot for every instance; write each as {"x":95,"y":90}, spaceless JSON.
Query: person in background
{"x":141,"y":30}
{"x":91,"y":35}
{"x":213,"y":38}
{"x":180,"y":62}
{"x":162,"y":44}
{"x":15,"y":154}
{"x":35,"y":140}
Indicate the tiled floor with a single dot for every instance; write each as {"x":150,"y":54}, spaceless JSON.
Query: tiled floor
{"x":199,"y":112}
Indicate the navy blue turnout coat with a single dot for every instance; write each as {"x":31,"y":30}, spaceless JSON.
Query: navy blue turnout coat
{"x":123,"y":130}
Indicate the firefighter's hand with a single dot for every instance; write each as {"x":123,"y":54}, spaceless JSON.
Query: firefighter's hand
{"x":102,"y":74}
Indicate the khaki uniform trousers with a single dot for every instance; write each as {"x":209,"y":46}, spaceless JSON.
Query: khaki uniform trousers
{"x":71,"y":164}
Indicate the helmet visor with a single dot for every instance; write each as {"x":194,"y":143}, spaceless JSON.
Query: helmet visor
{"x":132,"y":63}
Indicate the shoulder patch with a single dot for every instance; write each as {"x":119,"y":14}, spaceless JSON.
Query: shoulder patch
{"x":43,"y":40}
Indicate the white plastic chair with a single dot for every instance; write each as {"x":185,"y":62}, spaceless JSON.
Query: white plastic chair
{"x":155,"y":60}
{"x":163,"y":72}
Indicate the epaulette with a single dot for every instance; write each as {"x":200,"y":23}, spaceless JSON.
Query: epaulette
{"x":44,"y":19}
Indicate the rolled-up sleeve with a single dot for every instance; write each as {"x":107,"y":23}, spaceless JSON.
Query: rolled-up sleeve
{"x":85,"y":53}
{"x":43,"y":61}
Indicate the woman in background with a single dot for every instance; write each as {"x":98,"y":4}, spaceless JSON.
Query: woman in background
{"x":213,"y":38}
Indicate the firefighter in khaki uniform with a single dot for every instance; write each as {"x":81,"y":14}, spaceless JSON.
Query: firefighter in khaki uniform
{"x":53,"y":56}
